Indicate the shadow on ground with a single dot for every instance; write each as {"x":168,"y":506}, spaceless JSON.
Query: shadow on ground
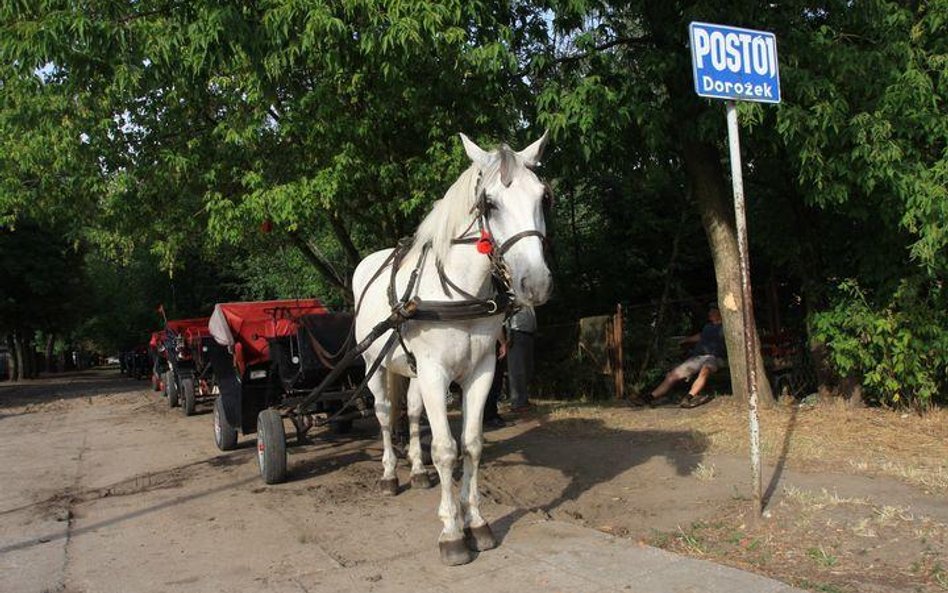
{"x":65,"y":386}
{"x":569,"y":457}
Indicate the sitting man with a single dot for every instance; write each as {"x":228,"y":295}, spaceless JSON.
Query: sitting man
{"x":706,"y":357}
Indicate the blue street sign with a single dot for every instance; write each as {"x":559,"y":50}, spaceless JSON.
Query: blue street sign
{"x":734,"y":63}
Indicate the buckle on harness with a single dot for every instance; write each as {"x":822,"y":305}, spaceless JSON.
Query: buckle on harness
{"x":405,"y":310}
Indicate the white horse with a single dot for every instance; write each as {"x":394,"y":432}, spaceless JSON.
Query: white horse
{"x":498,"y":200}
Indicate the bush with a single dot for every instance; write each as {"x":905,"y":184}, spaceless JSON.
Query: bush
{"x":898,"y":348}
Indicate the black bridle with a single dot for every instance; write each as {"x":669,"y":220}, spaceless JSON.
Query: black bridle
{"x":485,"y":241}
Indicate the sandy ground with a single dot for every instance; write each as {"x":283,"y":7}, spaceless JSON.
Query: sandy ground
{"x":104,"y":488}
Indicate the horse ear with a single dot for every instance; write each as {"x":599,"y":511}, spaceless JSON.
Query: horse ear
{"x":475,"y":152}
{"x":531,"y":155}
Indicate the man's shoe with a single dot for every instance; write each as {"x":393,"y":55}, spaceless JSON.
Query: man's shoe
{"x":635,"y":401}
{"x":654,"y":402}
{"x":495,"y":423}
{"x":693,"y":401}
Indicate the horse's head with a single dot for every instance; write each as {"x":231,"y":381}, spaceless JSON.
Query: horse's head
{"x":511,"y":198}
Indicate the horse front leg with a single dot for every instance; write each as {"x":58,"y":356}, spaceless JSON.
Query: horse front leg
{"x":433,"y":383}
{"x":478,"y":532}
{"x":419,"y":475}
{"x":388,"y":484}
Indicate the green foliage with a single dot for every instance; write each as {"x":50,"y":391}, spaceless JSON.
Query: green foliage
{"x":877,"y":147}
{"x":281,"y":273}
{"x":41,"y":281}
{"x":898,"y":346}
{"x":196,"y":122}
{"x":123,"y":295}
{"x":157,"y":136}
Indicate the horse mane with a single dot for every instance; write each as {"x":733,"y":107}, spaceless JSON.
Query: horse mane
{"x":452,"y":215}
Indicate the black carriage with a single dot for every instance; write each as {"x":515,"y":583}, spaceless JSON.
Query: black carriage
{"x":268,"y":357}
{"x":184,"y":364}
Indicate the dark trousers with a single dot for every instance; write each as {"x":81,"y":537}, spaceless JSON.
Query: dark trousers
{"x":493,"y":396}
{"x":520,"y":367}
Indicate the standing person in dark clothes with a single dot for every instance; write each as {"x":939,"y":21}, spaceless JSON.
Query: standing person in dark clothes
{"x":523,"y":327}
{"x":706,"y":357}
{"x":492,"y":418}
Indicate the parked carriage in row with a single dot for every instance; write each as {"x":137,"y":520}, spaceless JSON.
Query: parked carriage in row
{"x":267,"y":357}
{"x":182,"y":366}
{"x":135,"y":363}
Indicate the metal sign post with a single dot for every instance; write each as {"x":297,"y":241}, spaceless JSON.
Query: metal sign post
{"x":739,"y":64}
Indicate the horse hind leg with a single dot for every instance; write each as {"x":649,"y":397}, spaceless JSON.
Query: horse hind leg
{"x":419,"y":475}
{"x":388,"y":484}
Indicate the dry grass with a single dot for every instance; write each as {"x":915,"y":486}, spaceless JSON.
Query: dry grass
{"x":821,"y":541}
{"x":828,"y":435}
{"x":705,"y":472}
{"x":816,"y":539}
{"x":810,"y":500}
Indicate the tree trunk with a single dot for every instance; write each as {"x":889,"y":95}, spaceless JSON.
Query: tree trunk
{"x":29,"y":357}
{"x":20,"y":357}
{"x":50,"y":363}
{"x":14,"y":363}
{"x":345,"y":240}
{"x":703,"y":166}
{"x":851,"y":390}
{"x":322,"y":264}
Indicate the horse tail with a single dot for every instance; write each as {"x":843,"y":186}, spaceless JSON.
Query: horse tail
{"x":396,"y":391}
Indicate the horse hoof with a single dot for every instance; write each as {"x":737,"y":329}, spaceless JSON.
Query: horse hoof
{"x":420,"y":481}
{"x":455,"y":553}
{"x":389,"y":486}
{"x":480,"y":538}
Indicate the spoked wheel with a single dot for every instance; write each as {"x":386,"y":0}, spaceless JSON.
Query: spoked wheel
{"x":172,"y":389}
{"x":225,"y":435}
{"x":188,"y":395}
{"x":271,"y":447}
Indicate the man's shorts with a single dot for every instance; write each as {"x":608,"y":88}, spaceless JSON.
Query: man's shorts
{"x":690,"y":367}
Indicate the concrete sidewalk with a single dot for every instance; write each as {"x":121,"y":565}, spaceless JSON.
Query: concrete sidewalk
{"x":550,"y":557}
{"x":119,"y":494}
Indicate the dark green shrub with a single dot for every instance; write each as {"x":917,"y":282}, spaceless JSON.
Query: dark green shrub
{"x":898,"y":348}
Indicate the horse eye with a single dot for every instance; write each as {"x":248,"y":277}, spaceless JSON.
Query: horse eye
{"x":489,"y":204}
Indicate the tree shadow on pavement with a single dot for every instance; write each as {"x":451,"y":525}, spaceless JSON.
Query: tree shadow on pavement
{"x":92,"y":384}
{"x":585,"y":453}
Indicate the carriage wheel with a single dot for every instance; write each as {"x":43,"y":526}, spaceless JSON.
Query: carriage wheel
{"x":187,"y":392}
{"x":225,"y":435}
{"x":271,"y":446}
{"x":172,"y":389}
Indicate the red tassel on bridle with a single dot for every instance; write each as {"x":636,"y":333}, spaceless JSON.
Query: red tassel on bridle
{"x":485,"y":245}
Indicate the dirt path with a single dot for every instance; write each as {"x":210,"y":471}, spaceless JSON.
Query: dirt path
{"x":104,"y":488}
